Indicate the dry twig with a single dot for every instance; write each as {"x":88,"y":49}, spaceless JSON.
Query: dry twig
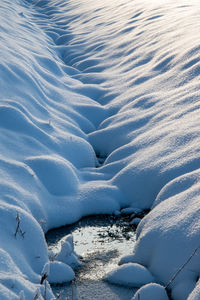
{"x":18,"y":228}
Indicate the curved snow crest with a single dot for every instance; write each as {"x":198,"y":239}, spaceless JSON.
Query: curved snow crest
{"x":75,"y":78}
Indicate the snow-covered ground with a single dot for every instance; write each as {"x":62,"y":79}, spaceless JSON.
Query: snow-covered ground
{"x":120,"y":81}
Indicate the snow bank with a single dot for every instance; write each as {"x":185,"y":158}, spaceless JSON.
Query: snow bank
{"x":171,"y":232}
{"x":120,"y":81}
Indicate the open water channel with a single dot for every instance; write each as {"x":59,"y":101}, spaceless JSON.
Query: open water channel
{"x":101,"y":241}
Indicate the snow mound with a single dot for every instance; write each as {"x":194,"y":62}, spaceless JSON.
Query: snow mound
{"x":66,"y":254}
{"x":135,"y":221}
{"x":127,"y":259}
{"x":172,"y":235}
{"x":60,"y":273}
{"x":151,"y":291}
{"x":130,"y":275}
{"x":56,"y":174}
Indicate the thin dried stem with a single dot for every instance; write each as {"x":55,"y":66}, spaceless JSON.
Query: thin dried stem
{"x":18,"y":228}
{"x":182,"y":267}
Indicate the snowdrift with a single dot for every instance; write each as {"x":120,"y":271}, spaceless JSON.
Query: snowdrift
{"x":99,"y":111}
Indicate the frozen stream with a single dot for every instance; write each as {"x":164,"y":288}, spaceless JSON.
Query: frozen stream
{"x":101,"y":241}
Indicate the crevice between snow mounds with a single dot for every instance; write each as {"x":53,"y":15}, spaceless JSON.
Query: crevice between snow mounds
{"x":61,"y":35}
{"x":97,"y":189}
{"x":50,"y":21}
{"x":76,"y":59}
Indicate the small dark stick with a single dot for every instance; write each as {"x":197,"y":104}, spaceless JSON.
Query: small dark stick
{"x":18,"y":223}
{"x":43,"y":278}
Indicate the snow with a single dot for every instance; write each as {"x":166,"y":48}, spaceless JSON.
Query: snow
{"x":151,"y":291}
{"x":175,"y":221}
{"x":99,"y":112}
{"x":130,"y":275}
{"x":55,"y":168}
{"x":60,"y":273}
{"x":127,"y":210}
{"x":66,"y":253}
{"x":195,"y":293}
{"x":135,"y":221}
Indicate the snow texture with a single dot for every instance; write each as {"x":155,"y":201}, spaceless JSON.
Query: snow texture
{"x":99,"y":111}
